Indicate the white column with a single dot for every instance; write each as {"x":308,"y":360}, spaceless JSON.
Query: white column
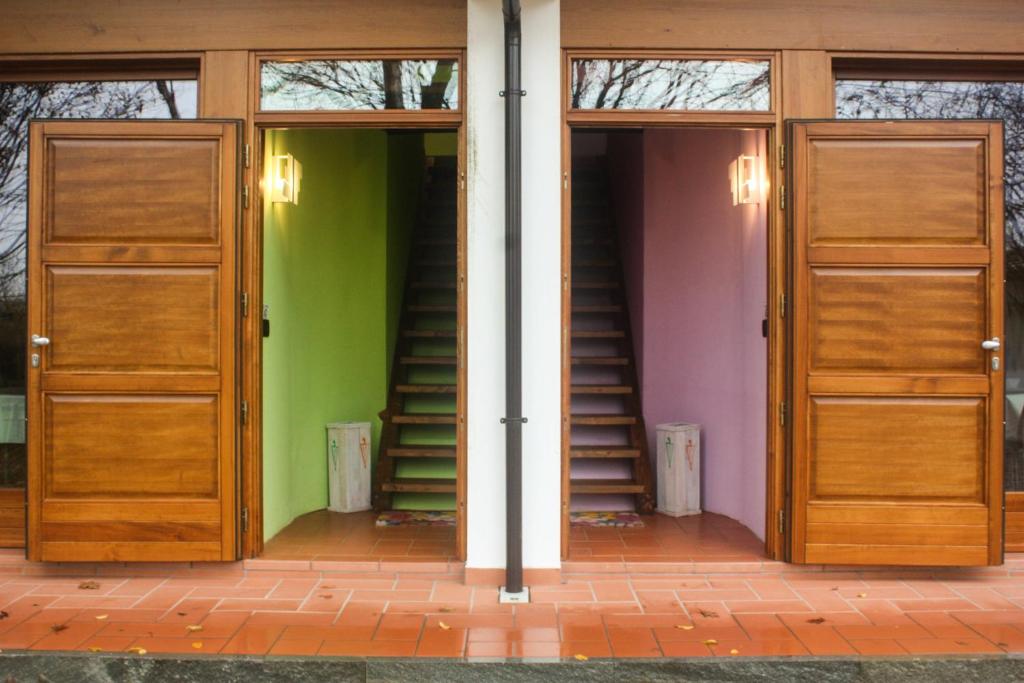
{"x":541,"y":277}
{"x":485,"y":343}
{"x":542,"y":245}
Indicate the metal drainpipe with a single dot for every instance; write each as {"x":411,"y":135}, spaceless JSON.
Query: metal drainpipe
{"x":513,"y":303}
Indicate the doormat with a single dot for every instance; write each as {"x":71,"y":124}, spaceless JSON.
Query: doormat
{"x":616,"y":519}
{"x":415,"y":518}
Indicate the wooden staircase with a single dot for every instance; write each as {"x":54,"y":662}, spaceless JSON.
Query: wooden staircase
{"x":608,"y":444}
{"x":417,"y":445}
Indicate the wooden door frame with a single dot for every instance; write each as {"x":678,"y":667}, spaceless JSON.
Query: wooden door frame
{"x":252,"y":338}
{"x":769,"y":121}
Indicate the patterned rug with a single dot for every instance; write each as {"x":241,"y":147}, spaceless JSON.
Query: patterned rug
{"x":415,"y":518}
{"x":616,"y":519}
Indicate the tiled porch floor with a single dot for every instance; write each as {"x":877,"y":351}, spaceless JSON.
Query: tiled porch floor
{"x":354,"y":537}
{"x":706,"y":537}
{"x":285,"y":607}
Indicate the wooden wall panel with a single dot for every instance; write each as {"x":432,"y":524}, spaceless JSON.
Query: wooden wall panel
{"x":77,"y":26}
{"x":924,"y":25}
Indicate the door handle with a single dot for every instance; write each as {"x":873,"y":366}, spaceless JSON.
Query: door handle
{"x":40,"y":341}
{"x":991,"y":344}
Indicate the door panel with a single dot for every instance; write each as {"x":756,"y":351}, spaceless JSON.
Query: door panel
{"x":897,"y":231}
{"x":131,"y":409}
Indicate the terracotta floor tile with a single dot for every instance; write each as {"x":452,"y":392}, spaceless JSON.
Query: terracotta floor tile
{"x":823,"y":640}
{"x":1004,"y":636}
{"x":209,"y":646}
{"x":573,"y":632}
{"x":941,"y":625}
{"x":633,"y":642}
{"x":253,"y":640}
{"x":107,"y":643}
{"x":760,"y":648}
{"x":763,"y":626}
{"x":536,"y":634}
{"x":896,"y":632}
{"x":587,"y":648}
{"x":438,"y":642}
{"x":70,"y":637}
{"x":399,"y":627}
{"x":880,"y":646}
{"x":367,"y":648}
{"x":295,"y":647}
{"x":937,"y":646}
{"x":684,"y":648}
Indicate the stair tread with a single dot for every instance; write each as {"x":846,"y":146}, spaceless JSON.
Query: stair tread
{"x":602,"y":419}
{"x":604,"y":452}
{"x":419,"y":486}
{"x":424,"y":418}
{"x":421,"y":452}
{"x":431,"y":308}
{"x":429,"y":334}
{"x":425,"y":388}
{"x":602,"y":389}
{"x":597,"y":308}
{"x":427,"y":360}
{"x":605,"y":486}
{"x":600,"y":360}
{"x":426,"y":284}
{"x":599,"y":334}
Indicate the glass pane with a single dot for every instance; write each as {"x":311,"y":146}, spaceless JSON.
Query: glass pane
{"x":692,"y":84}
{"x":881,"y":99}
{"x":367,"y":84}
{"x":20,"y":102}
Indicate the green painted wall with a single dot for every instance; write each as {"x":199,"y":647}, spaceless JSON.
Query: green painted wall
{"x":334,"y":267}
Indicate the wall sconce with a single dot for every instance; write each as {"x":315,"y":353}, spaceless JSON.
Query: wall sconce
{"x":285,"y":179}
{"x":749,"y":185}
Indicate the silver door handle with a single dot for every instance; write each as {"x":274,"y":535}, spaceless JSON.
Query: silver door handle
{"x":991,"y":344}
{"x":40,"y":341}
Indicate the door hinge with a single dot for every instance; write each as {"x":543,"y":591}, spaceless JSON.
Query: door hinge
{"x":245,"y":304}
{"x":245,"y":520}
{"x":782,"y":521}
{"x":782,"y":413}
{"x":246,"y":155}
{"x":782,"y":156}
{"x":244,"y":412}
{"x":782,"y":305}
{"x":782,"y":196}
{"x":245,"y":196}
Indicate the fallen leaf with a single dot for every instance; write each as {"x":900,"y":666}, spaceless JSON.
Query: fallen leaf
{"x":446,"y":610}
{"x":581,"y":658}
{"x":685,"y":627}
{"x":862,"y":595}
{"x":191,"y":628}
{"x":101,"y":617}
{"x":816,"y":620}
{"x":95,"y":649}
{"x":1002,"y":645}
{"x":182,"y":614}
{"x":326,"y":596}
{"x":57,"y":628}
{"x":197,"y":645}
{"x":711,"y":641}
{"x":834,"y":588}
{"x":328,"y":587}
{"x":443,"y":625}
{"x":3,"y":614}
{"x":707,"y":614}
{"x":734,"y":651}
{"x":88,"y":585}
{"x":960,"y":642}
{"x":137,"y":650}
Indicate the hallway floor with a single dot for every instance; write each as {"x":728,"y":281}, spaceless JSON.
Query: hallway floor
{"x":376,"y":609}
{"x":354,"y":537}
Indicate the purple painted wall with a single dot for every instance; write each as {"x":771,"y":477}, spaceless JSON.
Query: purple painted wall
{"x":704,"y":296}
{"x":626,"y":173}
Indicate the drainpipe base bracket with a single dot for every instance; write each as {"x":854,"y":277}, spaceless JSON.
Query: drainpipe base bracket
{"x":519,"y":598}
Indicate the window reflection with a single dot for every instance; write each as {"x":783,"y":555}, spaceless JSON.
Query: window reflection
{"x":892,"y":99}
{"x":19,"y":103}
{"x":692,"y":84}
{"x":367,"y":84}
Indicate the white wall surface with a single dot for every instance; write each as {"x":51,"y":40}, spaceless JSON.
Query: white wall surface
{"x":541,"y":282}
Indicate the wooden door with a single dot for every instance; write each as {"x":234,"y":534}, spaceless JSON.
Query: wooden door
{"x":897,"y":268}
{"x":131,"y":278}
